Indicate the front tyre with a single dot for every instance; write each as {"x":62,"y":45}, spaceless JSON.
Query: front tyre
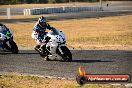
{"x":14,"y":47}
{"x":67,"y":56}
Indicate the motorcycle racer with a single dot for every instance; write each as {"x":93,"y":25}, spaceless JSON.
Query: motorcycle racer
{"x":39,"y":31}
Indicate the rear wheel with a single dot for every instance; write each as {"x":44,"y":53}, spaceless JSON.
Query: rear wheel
{"x":67,"y":56}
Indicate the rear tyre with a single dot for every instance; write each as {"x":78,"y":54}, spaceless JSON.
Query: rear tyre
{"x":67,"y":56}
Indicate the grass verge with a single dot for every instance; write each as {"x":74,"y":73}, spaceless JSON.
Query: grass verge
{"x":13,"y":80}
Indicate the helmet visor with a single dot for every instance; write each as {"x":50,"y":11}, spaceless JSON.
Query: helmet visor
{"x":43,"y":24}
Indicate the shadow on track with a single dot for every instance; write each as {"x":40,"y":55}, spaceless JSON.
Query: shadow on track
{"x":90,"y":61}
{"x":21,"y":52}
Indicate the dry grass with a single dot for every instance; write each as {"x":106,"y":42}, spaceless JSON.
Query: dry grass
{"x":27,"y":81}
{"x":84,"y":33}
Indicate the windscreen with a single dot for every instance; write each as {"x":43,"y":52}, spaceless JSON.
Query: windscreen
{"x":54,"y":32}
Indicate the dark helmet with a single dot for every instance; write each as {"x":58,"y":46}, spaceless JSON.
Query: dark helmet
{"x":42,"y":21}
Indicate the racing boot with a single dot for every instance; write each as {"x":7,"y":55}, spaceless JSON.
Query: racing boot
{"x":43,"y":49}
{"x":37,"y":48}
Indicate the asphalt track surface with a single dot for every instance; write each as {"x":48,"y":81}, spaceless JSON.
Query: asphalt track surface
{"x":93,"y":61}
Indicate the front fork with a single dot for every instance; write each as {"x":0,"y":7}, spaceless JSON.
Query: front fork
{"x":59,"y":50}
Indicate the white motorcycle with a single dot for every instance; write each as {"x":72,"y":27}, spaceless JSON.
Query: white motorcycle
{"x":6,"y":40}
{"x":55,"y":47}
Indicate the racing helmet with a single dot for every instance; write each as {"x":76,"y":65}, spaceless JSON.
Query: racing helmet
{"x":42,"y":22}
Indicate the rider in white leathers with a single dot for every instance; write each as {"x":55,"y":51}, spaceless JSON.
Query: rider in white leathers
{"x":39,"y":31}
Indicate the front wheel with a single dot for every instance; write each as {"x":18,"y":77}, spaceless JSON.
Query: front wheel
{"x":67,"y":56}
{"x":14,"y":47}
